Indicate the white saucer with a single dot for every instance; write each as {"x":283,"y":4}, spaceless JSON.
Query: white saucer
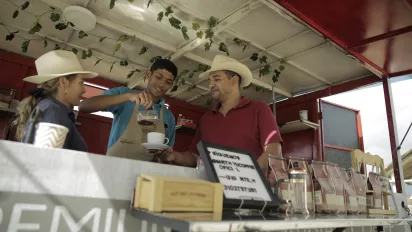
{"x":155,"y":146}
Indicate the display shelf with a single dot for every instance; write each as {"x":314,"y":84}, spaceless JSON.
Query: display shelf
{"x":13,"y":111}
{"x":298,"y":125}
{"x":185,"y":128}
{"x":232,"y":222}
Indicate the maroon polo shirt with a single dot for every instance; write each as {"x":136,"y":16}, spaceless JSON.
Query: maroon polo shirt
{"x":249,"y":126}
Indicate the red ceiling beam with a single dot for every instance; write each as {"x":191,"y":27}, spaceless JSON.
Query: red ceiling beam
{"x":382,"y":37}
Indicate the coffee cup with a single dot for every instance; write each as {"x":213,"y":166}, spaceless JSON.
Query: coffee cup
{"x":157,"y":138}
{"x":50,"y":135}
{"x":303,"y":115}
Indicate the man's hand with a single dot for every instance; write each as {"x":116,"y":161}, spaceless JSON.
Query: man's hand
{"x":180,"y":158}
{"x":142,"y":99}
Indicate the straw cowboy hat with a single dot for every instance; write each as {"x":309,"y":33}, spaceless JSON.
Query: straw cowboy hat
{"x":56,"y":64}
{"x":221,"y":62}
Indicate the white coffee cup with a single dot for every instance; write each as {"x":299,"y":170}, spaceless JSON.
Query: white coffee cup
{"x":303,"y":114}
{"x":50,"y":135}
{"x":157,"y":138}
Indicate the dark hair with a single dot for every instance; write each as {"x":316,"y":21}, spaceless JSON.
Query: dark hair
{"x":164,"y":64}
{"x":231,"y":74}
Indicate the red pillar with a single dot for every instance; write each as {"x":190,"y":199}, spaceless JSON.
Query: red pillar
{"x":396,"y":159}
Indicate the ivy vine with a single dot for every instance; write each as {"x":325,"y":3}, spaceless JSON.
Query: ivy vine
{"x":189,"y":74}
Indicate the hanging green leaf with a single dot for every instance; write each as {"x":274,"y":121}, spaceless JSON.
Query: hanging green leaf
{"x":97,"y":62}
{"x":263,"y":59}
{"x":84,"y":55}
{"x":54,"y":17}
{"x":148,"y":3}
{"x":160,"y":16}
{"x":130,"y":74}
{"x":202,"y":68}
{"x":153,"y":59}
{"x":276,"y":72}
{"x":265,"y":70}
{"x":25,"y":5}
{"x":258,"y":88}
{"x":75,"y":51}
{"x":11,"y":36}
{"x":191,"y":75}
{"x":209,"y":33}
{"x":36,"y":28}
{"x":117,"y":48}
{"x":169,"y":11}
{"x":209,"y":101}
{"x":199,"y":34}
{"x":111,"y":67}
{"x":195,"y":26}
{"x":183,"y":81}
{"x":223,"y":48}
{"x":57,"y":47}
{"x":112,"y":3}
{"x":207,"y":46}
{"x":15,"y":14}
{"x":124,"y":63}
{"x":174,"y":88}
{"x":281,"y":67}
{"x":25,"y":46}
{"x":254,"y":57}
{"x":282,"y":61}
{"x":131,"y":1}
{"x":45,"y":43}
{"x":123,"y":38}
{"x":52,"y":8}
{"x":70,"y":23}
{"x":241,"y":42}
{"x":82,"y":34}
{"x":102,"y":39}
{"x":182,"y":73}
{"x":212,"y":22}
{"x":184,"y":32}
{"x":174,"y":22}
{"x":89,"y":53}
{"x":61,"y":26}
{"x":275,"y":78}
{"x":143,"y":50}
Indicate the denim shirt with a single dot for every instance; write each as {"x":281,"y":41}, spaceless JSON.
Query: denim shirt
{"x":55,"y":112}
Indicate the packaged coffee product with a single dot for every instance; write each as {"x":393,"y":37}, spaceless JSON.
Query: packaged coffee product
{"x":324,"y":192}
{"x":351,"y":201}
{"x":374,"y":194}
{"x":337,"y":181}
{"x":302,"y":163}
{"x":359,"y":182}
{"x":278,"y":170}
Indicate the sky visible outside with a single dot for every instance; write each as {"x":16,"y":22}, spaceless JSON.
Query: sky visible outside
{"x":370,"y":101}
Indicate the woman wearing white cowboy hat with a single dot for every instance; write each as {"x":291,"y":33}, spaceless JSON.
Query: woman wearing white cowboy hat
{"x":234,"y":121}
{"x":60,"y":87}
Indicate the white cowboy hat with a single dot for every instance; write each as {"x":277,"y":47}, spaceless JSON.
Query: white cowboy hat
{"x":55,"y":64}
{"x":221,"y":62}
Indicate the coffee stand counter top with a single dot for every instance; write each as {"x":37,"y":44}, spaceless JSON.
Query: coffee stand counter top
{"x":71,"y":189}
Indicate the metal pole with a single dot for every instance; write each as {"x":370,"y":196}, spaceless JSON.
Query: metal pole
{"x":393,"y":136}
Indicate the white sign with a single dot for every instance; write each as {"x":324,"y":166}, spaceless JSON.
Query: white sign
{"x":239,"y":176}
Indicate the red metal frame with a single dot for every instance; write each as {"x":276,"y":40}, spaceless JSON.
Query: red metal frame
{"x":392,"y":134}
{"x":358,"y":126}
{"x":382,"y":37}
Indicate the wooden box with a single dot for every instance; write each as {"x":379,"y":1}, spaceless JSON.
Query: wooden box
{"x":175,"y":194}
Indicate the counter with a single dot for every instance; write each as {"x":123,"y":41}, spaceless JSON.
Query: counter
{"x":60,"y":190}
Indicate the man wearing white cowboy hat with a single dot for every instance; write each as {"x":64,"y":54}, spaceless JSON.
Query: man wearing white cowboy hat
{"x":234,"y":121}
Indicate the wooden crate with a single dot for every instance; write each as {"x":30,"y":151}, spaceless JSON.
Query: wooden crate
{"x":175,"y":194}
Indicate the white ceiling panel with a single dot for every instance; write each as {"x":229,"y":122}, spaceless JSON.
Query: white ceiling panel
{"x":297,"y":44}
{"x":330,"y":64}
{"x":205,"y":9}
{"x":137,"y":17}
{"x":266,"y":27}
{"x":24,"y":20}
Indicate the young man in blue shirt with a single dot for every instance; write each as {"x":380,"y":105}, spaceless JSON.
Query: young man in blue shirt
{"x":127,"y":136}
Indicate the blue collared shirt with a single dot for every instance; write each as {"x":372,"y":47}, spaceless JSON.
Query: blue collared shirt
{"x":124,"y":111}
{"x":55,"y":112}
